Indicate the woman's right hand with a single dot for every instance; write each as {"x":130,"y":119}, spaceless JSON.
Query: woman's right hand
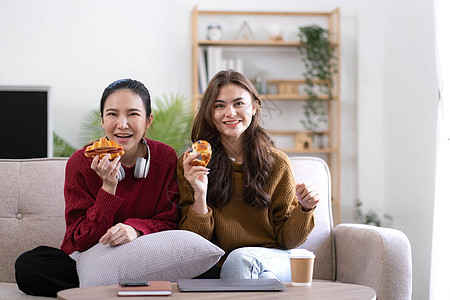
{"x":197,"y":176}
{"x":107,"y":170}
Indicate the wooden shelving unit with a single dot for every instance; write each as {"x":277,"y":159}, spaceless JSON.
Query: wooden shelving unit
{"x":285,"y":90}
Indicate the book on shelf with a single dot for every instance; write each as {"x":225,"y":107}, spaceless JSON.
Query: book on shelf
{"x":154,"y":288}
{"x":214,"y":60}
{"x":236,"y":64}
{"x":202,"y":72}
{"x":239,"y":65}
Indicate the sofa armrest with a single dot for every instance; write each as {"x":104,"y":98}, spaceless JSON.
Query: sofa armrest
{"x":373,"y":256}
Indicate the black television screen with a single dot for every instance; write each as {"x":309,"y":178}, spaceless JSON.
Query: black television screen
{"x":24,"y":115}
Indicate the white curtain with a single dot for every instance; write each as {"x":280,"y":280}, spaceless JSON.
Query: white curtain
{"x":440,"y":253}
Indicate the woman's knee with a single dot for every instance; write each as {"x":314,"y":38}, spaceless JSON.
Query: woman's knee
{"x":241,"y":256}
{"x":254,"y":262}
{"x":43,"y":271}
{"x":27,"y":266}
{"x":39,"y":260}
{"x":238,"y":264}
{"x":27,"y":262}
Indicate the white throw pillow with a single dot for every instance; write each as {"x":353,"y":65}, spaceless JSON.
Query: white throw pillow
{"x":167,"y":255}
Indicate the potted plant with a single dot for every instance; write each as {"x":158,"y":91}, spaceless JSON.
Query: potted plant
{"x":319,"y":58}
{"x":61,"y":148}
{"x":371,"y":217}
{"x":172,"y":122}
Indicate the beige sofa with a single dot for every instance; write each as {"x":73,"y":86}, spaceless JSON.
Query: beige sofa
{"x":32,"y":214}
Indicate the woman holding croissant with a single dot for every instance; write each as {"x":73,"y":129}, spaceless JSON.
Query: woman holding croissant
{"x":99,"y":207}
{"x":246,"y":200}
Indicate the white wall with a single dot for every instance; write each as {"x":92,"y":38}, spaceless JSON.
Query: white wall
{"x":397,"y":104}
{"x":79,"y":47}
{"x":388,"y":88}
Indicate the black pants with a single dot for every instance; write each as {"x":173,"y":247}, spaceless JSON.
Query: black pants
{"x":44,"y":271}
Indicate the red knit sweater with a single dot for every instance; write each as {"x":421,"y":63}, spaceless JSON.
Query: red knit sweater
{"x":149,"y":205}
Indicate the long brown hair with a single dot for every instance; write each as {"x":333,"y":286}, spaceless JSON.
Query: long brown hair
{"x":257,"y":164}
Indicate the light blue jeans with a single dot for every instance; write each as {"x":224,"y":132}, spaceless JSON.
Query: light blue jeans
{"x":257,"y":262}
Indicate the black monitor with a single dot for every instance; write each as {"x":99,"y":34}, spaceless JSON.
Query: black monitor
{"x":24,"y":115}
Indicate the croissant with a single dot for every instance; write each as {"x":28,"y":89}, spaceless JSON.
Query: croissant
{"x":102,"y":147}
{"x":204,"y":152}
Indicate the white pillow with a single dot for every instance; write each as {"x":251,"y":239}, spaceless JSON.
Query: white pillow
{"x":167,"y":255}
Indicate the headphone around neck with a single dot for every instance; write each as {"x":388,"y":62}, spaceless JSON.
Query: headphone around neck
{"x":142,"y":165}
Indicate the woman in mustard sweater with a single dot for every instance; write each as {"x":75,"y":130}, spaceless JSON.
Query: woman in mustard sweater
{"x":246,"y":200}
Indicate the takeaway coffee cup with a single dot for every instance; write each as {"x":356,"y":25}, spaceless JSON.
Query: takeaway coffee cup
{"x":302,"y":265}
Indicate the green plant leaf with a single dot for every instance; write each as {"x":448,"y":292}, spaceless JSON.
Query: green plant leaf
{"x":91,"y":127}
{"x":61,"y":148}
{"x":319,"y":59}
{"x":369,"y":218}
{"x":172,"y":122}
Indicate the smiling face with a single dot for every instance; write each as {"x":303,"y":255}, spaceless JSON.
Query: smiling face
{"x":233,"y":111}
{"x":124,"y":120}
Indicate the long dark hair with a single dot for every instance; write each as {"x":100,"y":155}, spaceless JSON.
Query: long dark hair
{"x":129,"y":84}
{"x":257,"y":164}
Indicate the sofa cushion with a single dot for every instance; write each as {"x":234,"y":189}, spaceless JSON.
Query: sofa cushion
{"x":167,"y":255}
{"x":10,"y":291}
{"x":32,"y":208}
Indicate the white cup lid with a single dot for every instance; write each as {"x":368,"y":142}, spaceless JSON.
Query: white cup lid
{"x":302,"y":253}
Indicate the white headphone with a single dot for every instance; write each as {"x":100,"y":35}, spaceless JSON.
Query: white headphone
{"x":141,"y":168}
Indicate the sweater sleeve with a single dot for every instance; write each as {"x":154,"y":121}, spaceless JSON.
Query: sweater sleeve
{"x":292,"y":225}
{"x":166,"y":215}
{"x":88,"y":216}
{"x":190,"y":220}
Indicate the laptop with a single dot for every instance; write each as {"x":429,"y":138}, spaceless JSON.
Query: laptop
{"x":230,"y":285}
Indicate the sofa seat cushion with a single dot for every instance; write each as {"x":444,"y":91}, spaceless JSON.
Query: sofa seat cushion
{"x":10,"y":291}
{"x":167,"y":255}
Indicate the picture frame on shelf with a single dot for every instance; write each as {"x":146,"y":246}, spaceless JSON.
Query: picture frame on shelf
{"x":244,"y":33}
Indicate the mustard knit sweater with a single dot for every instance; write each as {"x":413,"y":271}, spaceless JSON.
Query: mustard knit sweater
{"x":282,"y":225}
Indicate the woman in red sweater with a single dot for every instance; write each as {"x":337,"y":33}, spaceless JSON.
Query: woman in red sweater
{"x":100,"y":208}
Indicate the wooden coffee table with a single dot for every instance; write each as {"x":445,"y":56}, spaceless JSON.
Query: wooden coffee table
{"x":318,"y":290}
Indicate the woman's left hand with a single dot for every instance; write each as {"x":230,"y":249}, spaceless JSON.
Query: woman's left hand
{"x":307,"y":195}
{"x":119,"y":234}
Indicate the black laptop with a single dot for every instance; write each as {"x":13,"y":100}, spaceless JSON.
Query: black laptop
{"x":230,"y":285}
